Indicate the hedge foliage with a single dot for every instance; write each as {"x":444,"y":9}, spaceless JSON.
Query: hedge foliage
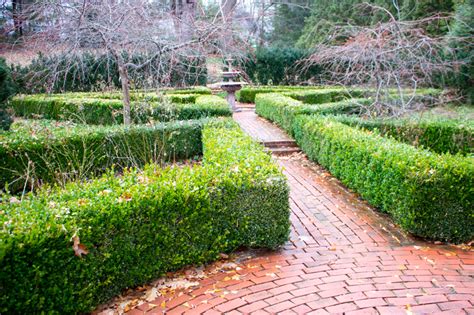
{"x":247,"y":94}
{"x":429,"y":195}
{"x":324,"y":94}
{"x":279,"y":65}
{"x":108,"y":111}
{"x":283,"y":110}
{"x":438,"y":135}
{"x":38,"y":152}
{"x":7,"y":89}
{"x":140,"y":225}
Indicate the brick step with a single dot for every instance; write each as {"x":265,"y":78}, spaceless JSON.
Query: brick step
{"x":284,"y":151}
{"x":246,"y":109}
{"x":280,"y":144}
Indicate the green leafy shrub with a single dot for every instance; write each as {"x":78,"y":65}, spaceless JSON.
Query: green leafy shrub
{"x":247,"y":93}
{"x":140,"y":225}
{"x":278,"y":65}
{"x":182,"y":98}
{"x":283,"y":110}
{"x":324,"y":95}
{"x":429,"y":195}
{"x":38,"y":152}
{"x":7,"y":89}
{"x":211,"y":100}
{"x":438,"y":135}
{"x":103,"y":111}
{"x":194,"y":90}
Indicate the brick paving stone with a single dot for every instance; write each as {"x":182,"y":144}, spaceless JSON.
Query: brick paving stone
{"x":342,"y":256}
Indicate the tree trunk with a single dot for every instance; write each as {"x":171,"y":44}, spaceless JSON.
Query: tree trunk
{"x":123,"y":73}
{"x":17,"y":17}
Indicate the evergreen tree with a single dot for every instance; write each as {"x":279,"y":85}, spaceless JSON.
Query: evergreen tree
{"x":288,"y":22}
{"x":6,"y":90}
{"x":463,"y":27}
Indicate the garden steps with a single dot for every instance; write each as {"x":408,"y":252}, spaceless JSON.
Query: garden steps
{"x":281,"y":147}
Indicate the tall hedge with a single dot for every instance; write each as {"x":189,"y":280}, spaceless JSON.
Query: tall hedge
{"x":135,"y":227}
{"x":280,"y":66}
{"x":427,"y":194}
{"x":7,"y":89}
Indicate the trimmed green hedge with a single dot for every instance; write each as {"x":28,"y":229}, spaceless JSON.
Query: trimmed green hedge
{"x":36,"y":152}
{"x":182,"y":98}
{"x":324,"y":95}
{"x":109,"y":111}
{"x":429,"y":195}
{"x":202,"y":90}
{"x":320,"y":94}
{"x":283,"y":110}
{"x":140,"y":225}
{"x":247,"y":93}
{"x":438,"y":135}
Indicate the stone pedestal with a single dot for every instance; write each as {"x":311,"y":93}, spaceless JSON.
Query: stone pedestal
{"x":231,"y":88}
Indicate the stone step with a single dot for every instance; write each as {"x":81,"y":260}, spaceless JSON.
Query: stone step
{"x":284,"y":151}
{"x":280,"y":144}
{"x":246,"y":109}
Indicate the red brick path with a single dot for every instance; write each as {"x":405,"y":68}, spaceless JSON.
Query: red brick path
{"x":343,"y":258}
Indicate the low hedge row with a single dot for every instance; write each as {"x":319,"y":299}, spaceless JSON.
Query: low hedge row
{"x":324,"y":95}
{"x":133,"y":228}
{"x":36,"y":152}
{"x":109,"y":111}
{"x":247,"y":94}
{"x":134,"y":94}
{"x":321,"y":94}
{"x":438,"y":135}
{"x":181,"y":98}
{"x":429,"y":195}
{"x":283,"y":110}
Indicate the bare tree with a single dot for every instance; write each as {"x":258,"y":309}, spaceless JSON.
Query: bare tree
{"x":394,"y":58}
{"x":122,"y":28}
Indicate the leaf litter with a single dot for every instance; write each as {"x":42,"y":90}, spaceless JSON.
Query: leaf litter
{"x":173,"y":284}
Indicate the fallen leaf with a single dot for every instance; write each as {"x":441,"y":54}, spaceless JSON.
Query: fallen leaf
{"x":152,"y":294}
{"x":79,"y":249}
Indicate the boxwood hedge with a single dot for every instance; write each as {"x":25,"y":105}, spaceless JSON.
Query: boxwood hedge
{"x":322,"y":94}
{"x":247,"y":94}
{"x":428,"y":194}
{"x":37,"y":152}
{"x":137,"y":226}
{"x":438,"y":135}
{"x":109,"y":111}
{"x":282,"y":109}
